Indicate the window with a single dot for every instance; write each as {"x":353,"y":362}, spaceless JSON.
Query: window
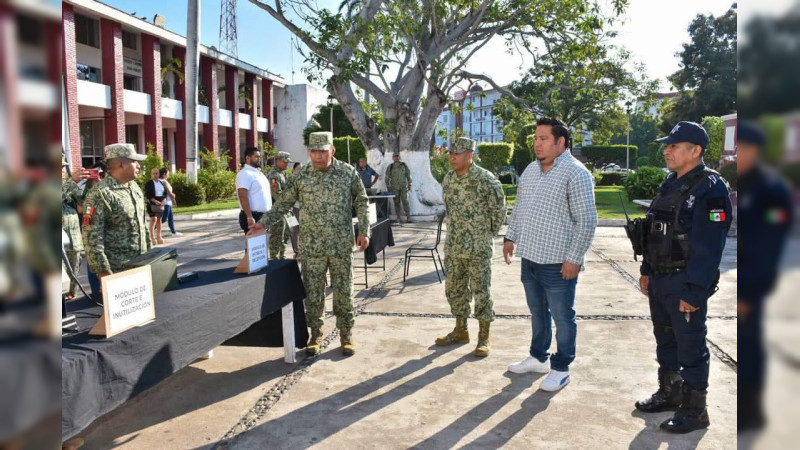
{"x":87,"y":31}
{"x":128,"y":40}
{"x":132,"y":135}
{"x":29,"y":30}
{"x":274,"y":117}
{"x":91,"y":142}
{"x":131,"y":83}
{"x":89,"y":73}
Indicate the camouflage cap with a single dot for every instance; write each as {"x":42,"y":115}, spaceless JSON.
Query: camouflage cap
{"x":122,"y":151}
{"x":462,"y":145}
{"x":320,"y":140}
{"x":285,"y":156}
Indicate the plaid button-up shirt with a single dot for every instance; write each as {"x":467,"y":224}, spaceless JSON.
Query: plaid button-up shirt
{"x":554,"y":213}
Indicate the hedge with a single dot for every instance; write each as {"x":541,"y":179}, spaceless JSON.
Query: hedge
{"x":643,"y":161}
{"x":611,"y":179}
{"x":522,"y":152}
{"x":217,"y":185}
{"x":792,"y":173}
{"x":608,"y":153}
{"x":644,"y":183}
{"x":495,"y":155}
{"x":728,"y":172}
{"x":186,"y":194}
{"x":356,"y":149}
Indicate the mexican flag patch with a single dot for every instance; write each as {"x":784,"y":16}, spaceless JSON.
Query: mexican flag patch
{"x":777,"y":216}
{"x":717,"y":216}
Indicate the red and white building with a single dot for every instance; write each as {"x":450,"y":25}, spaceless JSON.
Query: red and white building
{"x":115,"y":90}
{"x":729,"y":139}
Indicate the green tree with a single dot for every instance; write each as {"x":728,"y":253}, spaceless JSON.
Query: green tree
{"x":707,"y":78}
{"x":341,"y":126}
{"x":769,"y":65}
{"x":583,"y":86}
{"x":410,"y":56}
{"x":715,"y":127}
{"x":644,"y":130}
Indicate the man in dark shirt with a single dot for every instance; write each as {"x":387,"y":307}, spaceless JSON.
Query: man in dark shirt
{"x":367,"y":174}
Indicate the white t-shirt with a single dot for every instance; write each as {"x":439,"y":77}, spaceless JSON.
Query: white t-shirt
{"x":160,"y":191}
{"x":258,"y":193}
{"x":169,"y":199}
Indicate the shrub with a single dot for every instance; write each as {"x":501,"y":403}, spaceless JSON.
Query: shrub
{"x":611,"y":179}
{"x":186,"y":194}
{"x":522,"y":148}
{"x":598,"y":177}
{"x":356,"y":149}
{"x":644,"y":183}
{"x":217,"y":185}
{"x":791,"y":172}
{"x":495,"y":155}
{"x":153,"y":161}
{"x":589,"y":166}
{"x":728,"y":171}
{"x":440,"y":165}
{"x":643,"y":161}
{"x":608,"y":153}
{"x":715,"y":127}
{"x":214,"y":163}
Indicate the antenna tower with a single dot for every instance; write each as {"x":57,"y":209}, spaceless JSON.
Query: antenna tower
{"x":228,"y":37}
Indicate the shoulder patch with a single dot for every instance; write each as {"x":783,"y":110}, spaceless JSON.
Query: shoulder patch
{"x":716,"y":209}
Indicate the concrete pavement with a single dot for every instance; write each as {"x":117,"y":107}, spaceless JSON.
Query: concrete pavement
{"x":400,"y":391}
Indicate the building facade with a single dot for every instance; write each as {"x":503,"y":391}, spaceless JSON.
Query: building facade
{"x":473,"y":113}
{"x":123,"y":82}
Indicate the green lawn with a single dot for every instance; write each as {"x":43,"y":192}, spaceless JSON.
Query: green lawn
{"x":606,"y":198}
{"x":207,"y":207}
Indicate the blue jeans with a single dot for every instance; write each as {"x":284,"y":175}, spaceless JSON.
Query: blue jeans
{"x":551,"y":297}
{"x":167,"y":217}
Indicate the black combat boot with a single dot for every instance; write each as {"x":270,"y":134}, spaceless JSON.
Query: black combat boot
{"x":667,"y":397}
{"x":692,"y":414}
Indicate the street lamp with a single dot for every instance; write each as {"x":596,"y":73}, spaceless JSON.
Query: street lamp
{"x":628,"y":105}
{"x":330,"y":107}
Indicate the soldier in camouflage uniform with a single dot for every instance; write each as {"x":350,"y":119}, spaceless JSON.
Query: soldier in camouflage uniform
{"x":398,"y":180}
{"x":71,"y":196}
{"x":328,"y":189}
{"x":476,"y":208}
{"x":114,"y":215}
{"x":279,"y":231}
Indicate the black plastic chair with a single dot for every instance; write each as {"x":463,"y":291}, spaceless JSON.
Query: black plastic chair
{"x":433,"y":250}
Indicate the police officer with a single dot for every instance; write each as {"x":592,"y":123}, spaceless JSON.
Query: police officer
{"x":279,"y":231}
{"x":398,"y":180}
{"x":114,"y":216}
{"x":765,"y":219}
{"x":328,"y":189}
{"x":687,"y":224}
{"x":476,"y":208}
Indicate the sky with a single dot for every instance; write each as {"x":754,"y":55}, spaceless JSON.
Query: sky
{"x":652,"y":30}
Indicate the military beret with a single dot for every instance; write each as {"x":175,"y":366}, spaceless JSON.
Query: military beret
{"x":122,"y":151}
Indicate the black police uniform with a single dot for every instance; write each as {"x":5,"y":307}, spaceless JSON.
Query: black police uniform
{"x":686,"y":228}
{"x":764,"y":222}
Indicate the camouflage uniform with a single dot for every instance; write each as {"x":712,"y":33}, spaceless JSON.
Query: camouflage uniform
{"x":71,"y":195}
{"x":278,"y":232}
{"x":115,"y":219}
{"x":398,"y":179}
{"x":476,"y":208}
{"x":327,"y":236}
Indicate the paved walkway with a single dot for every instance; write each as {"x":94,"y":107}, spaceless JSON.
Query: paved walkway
{"x":400,"y":391}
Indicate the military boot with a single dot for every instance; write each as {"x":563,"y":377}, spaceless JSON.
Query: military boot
{"x":483,"y":339}
{"x":348,"y":346}
{"x":315,"y":342}
{"x":459,"y":335}
{"x":667,"y":397}
{"x":692,"y":414}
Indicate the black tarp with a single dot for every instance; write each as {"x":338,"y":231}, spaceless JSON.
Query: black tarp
{"x":100,"y":374}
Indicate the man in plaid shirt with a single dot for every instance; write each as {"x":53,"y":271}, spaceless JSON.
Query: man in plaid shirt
{"x":552,"y":226}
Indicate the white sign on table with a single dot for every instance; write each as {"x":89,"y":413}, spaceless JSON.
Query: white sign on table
{"x":127,"y":301}
{"x":257,"y":255}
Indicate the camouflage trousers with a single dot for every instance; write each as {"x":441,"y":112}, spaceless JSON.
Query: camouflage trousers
{"x":468,"y":278}
{"x":278,"y":233}
{"x":74,"y":259}
{"x":401,"y":196}
{"x":314,"y":270}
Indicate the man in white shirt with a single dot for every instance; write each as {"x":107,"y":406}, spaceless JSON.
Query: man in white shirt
{"x":252,"y":188}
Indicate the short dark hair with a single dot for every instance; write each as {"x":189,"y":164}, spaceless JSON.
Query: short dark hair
{"x":250,"y":150}
{"x":560,"y":129}
{"x":295,"y":165}
{"x":162,"y":171}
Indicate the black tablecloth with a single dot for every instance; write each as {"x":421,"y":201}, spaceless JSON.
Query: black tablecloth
{"x":381,"y":238}
{"x":100,"y":374}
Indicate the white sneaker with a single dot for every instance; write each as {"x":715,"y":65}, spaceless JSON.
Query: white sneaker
{"x":555,"y":381}
{"x":530,"y":364}
{"x":177,"y":234}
